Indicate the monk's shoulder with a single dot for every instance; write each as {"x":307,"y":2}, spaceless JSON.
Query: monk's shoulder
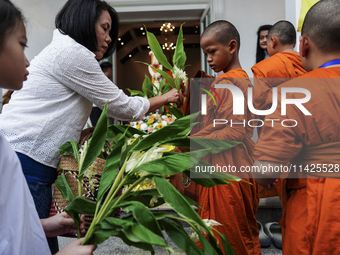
{"x":270,"y":67}
{"x":237,"y":77}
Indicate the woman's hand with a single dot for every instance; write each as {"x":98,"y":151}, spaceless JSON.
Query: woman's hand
{"x":61,"y":224}
{"x":174,"y":96}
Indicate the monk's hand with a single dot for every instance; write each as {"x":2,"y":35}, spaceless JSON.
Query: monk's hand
{"x":174,"y":96}
{"x":270,"y":186}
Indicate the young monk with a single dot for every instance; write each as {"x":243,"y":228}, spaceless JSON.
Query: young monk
{"x":234,"y":206}
{"x":284,"y":62}
{"x":312,"y":209}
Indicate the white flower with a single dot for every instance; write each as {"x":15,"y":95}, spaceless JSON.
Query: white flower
{"x":178,"y":73}
{"x":164,"y":122}
{"x":154,"y":200}
{"x":210,"y":224}
{"x":144,"y":127}
{"x":133,"y":160}
{"x":194,"y":236}
{"x":91,"y":172}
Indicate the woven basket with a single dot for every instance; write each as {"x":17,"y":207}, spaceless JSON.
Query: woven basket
{"x":70,"y":166}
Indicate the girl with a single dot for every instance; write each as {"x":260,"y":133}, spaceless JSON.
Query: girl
{"x":21,"y":231}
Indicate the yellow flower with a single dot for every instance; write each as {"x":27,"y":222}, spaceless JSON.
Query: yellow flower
{"x":150,"y":121}
{"x":169,"y":148}
{"x":138,"y":126}
{"x":160,"y":125}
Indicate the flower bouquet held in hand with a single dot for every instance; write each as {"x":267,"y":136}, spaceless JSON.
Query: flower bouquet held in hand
{"x":137,"y":159}
{"x":177,"y":78}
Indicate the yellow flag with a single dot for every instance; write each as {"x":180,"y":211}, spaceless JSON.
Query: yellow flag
{"x":305,"y":6}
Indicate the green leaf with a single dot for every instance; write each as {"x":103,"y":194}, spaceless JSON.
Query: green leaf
{"x":210,"y":179}
{"x":208,"y":249}
{"x":62,"y":184}
{"x":97,"y":141}
{"x":136,"y":93}
{"x":81,"y":205}
{"x":226,"y":245}
{"x":156,"y":48}
{"x":205,"y":143}
{"x":173,"y":110}
{"x":143,"y":216}
{"x":179,"y":57}
{"x":180,"y":237}
{"x":134,"y":232}
{"x":172,"y":164}
{"x":70,"y":147}
{"x":147,"y":87}
{"x":166,"y":86}
{"x":177,"y":201}
{"x":110,"y":169}
{"x":115,"y":129}
{"x":163,"y":73}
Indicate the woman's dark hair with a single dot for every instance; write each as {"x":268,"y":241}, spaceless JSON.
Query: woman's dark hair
{"x":260,"y":53}
{"x":9,"y":19}
{"x":77,"y":19}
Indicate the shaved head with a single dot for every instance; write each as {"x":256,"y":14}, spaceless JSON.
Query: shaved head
{"x":322,"y":25}
{"x":284,"y":31}
{"x":223,"y":32}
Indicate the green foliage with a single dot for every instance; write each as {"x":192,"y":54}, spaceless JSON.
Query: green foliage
{"x":137,"y":159}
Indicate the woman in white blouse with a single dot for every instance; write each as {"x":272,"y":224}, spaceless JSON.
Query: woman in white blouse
{"x":65,"y":80}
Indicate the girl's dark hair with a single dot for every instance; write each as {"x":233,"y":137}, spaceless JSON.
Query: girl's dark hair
{"x":260,"y":53}
{"x":77,"y":19}
{"x":9,"y":19}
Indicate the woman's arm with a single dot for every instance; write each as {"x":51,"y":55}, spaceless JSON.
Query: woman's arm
{"x":173,"y":96}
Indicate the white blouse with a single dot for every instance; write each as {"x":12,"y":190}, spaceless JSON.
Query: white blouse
{"x":20,"y":228}
{"x":55,"y":102}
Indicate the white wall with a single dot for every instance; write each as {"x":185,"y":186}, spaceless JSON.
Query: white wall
{"x":247,"y":16}
{"x":40,"y":17}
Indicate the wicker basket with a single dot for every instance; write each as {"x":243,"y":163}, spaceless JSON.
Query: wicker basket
{"x":70,"y":166}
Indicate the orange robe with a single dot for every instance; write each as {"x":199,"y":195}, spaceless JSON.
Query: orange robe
{"x":311,"y":206}
{"x":235,"y":205}
{"x":268,"y":74}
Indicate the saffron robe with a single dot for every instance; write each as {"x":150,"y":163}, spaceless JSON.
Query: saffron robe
{"x":311,"y":205}
{"x":281,"y":65}
{"x":234,"y":206}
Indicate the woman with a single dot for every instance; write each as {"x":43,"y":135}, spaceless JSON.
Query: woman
{"x":261,"y":44}
{"x":65,"y":80}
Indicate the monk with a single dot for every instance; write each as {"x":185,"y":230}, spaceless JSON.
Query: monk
{"x":234,"y":206}
{"x":284,"y":62}
{"x":312,"y":207}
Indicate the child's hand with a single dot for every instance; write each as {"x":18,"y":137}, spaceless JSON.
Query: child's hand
{"x":75,"y":248}
{"x":61,"y":224}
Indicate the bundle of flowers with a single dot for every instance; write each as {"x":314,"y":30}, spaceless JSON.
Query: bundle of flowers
{"x":152,"y":122}
{"x":177,"y":78}
{"x":136,"y":160}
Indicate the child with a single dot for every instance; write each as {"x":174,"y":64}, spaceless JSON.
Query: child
{"x":284,"y":62}
{"x":21,"y":231}
{"x":312,"y":208}
{"x":234,"y":206}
